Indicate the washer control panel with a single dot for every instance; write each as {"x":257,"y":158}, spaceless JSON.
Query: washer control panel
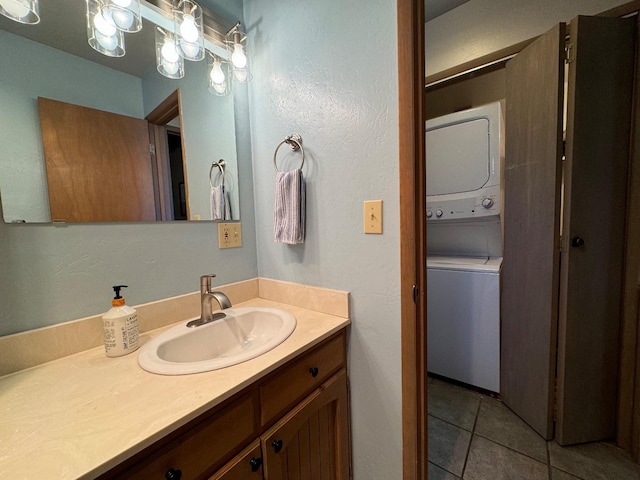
{"x":459,"y":207}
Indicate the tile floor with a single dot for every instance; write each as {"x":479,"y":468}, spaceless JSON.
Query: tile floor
{"x":475,"y":437}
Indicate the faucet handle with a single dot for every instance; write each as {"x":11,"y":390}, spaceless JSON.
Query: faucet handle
{"x":205,"y":282}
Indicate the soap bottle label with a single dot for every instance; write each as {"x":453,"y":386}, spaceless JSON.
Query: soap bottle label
{"x":121,"y":335}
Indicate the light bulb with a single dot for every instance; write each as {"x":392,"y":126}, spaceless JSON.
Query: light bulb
{"x":123,"y":19}
{"x":217,"y":75}
{"x":169,"y":52}
{"x":17,"y":8}
{"x":219,"y":87}
{"x":170,"y":67}
{"x":190,"y":50}
{"x":104,"y":26}
{"x":108,"y":42}
{"x":122,"y":3}
{"x":188,"y":29}
{"x":241,"y":75}
{"x":238,"y":58}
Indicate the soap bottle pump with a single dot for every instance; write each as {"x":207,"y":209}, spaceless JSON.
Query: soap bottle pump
{"x":120,"y":326}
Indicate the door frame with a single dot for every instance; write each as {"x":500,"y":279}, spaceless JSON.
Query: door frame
{"x":411,"y":71}
{"x":413,"y":241}
{"x":166,"y":111}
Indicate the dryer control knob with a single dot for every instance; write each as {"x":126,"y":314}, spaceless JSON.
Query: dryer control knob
{"x":439,"y":213}
{"x":429,"y":214}
{"x":487,"y":202}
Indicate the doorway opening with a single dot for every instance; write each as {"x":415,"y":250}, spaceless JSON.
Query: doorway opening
{"x":169,"y":160}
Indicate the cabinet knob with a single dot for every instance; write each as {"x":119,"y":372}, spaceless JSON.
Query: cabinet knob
{"x":173,"y":474}
{"x":577,"y":242}
{"x":277,"y":445}
{"x":314,"y":371}
{"x":255,"y":464}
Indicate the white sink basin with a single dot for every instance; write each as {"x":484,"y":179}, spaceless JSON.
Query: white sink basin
{"x":243,"y":334}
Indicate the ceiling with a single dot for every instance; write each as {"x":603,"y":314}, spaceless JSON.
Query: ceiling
{"x":63,"y":26}
{"x":435,"y":8}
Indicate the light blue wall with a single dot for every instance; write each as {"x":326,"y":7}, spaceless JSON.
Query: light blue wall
{"x":33,"y":70}
{"x":51,"y":274}
{"x":328,"y":71}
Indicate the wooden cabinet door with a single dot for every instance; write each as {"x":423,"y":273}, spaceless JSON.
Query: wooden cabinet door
{"x":312,"y":441}
{"x":98,"y":164}
{"x":530,"y":268}
{"x":595,"y":183}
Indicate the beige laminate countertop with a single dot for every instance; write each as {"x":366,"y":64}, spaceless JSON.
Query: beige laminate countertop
{"x":81,"y":415}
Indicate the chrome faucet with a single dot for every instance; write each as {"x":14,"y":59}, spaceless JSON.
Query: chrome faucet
{"x":206,"y":299}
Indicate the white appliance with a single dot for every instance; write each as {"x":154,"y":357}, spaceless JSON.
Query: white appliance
{"x":464,"y":245}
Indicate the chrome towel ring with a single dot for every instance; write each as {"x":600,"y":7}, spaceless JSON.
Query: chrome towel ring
{"x":295,"y":143}
{"x":220,"y":165}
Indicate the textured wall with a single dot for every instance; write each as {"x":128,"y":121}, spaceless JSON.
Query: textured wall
{"x":480,"y":27}
{"x":328,"y":70}
{"x":51,"y":274}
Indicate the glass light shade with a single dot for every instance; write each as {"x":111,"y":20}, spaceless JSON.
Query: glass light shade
{"x":237,"y":46}
{"x":218,"y":76}
{"x":125,"y":14}
{"x":102,"y":33}
{"x":22,"y":11}
{"x":187,"y":20}
{"x":168,"y":62}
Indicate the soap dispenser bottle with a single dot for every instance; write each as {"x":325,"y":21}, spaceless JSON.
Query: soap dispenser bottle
{"x":120,"y":327}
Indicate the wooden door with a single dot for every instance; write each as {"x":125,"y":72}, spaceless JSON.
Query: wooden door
{"x":98,"y":164}
{"x":529,"y":300}
{"x":601,"y":64}
{"x":312,"y":441}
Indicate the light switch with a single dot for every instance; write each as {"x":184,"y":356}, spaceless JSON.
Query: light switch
{"x":373,"y":216}
{"x":229,"y":235}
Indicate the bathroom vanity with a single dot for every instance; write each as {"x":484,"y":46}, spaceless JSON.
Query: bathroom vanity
{"x":281,"y":415}
{"x":293,"y":421}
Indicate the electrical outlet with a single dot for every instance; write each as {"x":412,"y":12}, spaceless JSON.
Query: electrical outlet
{"x":372,"y":216}
{"x":229,"y":235}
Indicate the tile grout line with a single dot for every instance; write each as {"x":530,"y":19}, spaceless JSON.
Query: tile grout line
{"x":546,"y":444}
{"x":473,"y":429}
{"x":453,"y":425}
{"x":450,"y":423}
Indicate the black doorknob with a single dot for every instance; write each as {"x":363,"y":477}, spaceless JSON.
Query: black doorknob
{"x":314,"y":371}
{"x":277,"y":445}
{"x":255,"y":464}
{"x":173,"y":474}
{"x":577,"y":242}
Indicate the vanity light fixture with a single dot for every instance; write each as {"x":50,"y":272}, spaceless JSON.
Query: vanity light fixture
{"x":168,"y":62}
{"x":187,"y":19}
{"x":219,"y":83}
{"x":236,"y":44}
{"x":21,"y":11}
{"x":125,"y":14}
{"x":102,"y":33}
{"x":179,"y":36}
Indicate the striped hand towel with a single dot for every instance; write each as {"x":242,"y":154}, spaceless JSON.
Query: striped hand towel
{"x":220,"y":204}
{"x":289,"y":208}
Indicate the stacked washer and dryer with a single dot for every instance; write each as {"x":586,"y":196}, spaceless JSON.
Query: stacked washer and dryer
{"x":464,"y":155}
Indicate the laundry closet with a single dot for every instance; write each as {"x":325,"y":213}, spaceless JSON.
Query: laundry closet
{"x":552,"y":240}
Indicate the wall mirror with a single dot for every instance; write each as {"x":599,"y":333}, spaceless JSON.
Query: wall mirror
{"x":52,"y":60}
